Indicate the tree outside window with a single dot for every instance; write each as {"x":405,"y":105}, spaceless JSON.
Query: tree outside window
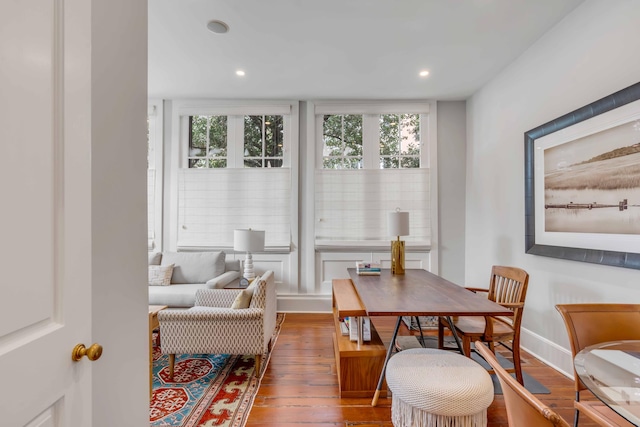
{"x":207,"y":141}
{"x":399,"y":141}
{"x":342,"y":138}
{"x":263,"y":141}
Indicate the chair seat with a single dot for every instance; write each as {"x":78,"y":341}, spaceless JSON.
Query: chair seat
{"x":474,"y":326}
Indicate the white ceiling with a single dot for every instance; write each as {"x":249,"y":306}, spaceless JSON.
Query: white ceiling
{"x":340,"y":49}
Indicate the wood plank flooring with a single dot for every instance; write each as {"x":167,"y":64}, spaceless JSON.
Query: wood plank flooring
{"x":300,"y":385}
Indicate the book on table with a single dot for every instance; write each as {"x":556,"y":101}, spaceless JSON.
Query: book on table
{"x":367,"y":268}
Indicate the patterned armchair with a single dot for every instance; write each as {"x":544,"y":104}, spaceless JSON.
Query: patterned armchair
{"x":212,"y":326}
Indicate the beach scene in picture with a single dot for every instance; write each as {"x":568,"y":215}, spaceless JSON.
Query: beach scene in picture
{"x":592,"y":184}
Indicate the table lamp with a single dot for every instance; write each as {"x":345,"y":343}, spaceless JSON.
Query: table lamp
{"x":248,"y":241}
{"x":398,"y":224}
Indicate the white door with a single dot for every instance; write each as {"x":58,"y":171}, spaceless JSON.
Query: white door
{"x":50,"y":248}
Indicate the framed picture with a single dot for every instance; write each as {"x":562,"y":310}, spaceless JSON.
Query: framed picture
{"x":582,"y":183}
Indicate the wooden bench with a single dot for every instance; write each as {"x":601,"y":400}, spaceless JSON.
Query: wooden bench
{"x":358,"y":364}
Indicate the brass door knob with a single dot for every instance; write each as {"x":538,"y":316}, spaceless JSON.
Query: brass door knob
{"x":93,"y":353}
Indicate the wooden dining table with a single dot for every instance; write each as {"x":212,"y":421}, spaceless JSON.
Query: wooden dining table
{"x":418,"y":293}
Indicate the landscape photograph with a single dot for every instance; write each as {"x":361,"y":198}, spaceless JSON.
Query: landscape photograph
{"x":592,"y":184}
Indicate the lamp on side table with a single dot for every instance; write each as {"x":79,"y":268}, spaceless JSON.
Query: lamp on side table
{"x":248,"y":241}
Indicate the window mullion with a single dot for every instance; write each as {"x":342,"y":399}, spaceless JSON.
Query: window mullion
{"x":370,"y":142}
{"x":235,"y":142}
{"x":425,"y":159}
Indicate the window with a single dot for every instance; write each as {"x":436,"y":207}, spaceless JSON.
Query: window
{"x":234,"y":172}
{"x":263,"y":141}
{"x":372,"y":159}
{"x":261,"y":144}
{"x":399,"y":141}
{"x":207,"y":142}
{"x":342,"y":141}
{"x":366,"y":141}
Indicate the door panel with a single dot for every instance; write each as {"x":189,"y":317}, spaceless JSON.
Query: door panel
{"x":45,"y":272}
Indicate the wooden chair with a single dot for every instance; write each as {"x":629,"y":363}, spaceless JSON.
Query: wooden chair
{"x":507,"y":287}
{"x":589,"y":324}
{"x":523,"y":408}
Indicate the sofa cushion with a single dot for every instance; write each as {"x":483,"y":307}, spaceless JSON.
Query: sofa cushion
{"x":160,"y":275}
{"x":154,"y":258}
{"x":179,"y":296}
{"x":194,"y":267}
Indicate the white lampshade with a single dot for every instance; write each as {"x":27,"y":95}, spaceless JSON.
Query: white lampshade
{"x":398,"y":223}
{"x":248,"y":240}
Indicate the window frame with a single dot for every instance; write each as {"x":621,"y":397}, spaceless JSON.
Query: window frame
{"x":235,"y":130}
{"x":371,"y":130}
{"x":428,"y":155}
{"x":180,"y":109}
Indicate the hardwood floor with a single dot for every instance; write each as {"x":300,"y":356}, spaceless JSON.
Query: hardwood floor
{"x":300,"y":385}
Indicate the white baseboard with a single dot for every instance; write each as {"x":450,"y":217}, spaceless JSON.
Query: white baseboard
{"x":304,"y":303}
{"x":550,"y":353}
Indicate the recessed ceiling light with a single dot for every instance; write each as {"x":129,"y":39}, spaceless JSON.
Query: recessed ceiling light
{"x":218,"y":27}
{"x":424,"y":73}
{"x":240,"y":73}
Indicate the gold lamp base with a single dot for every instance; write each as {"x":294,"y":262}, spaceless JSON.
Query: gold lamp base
{"x":397,"y":256}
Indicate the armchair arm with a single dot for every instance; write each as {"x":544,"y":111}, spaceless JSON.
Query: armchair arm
{"x":222,"y":280}
{"x":512,"y":304}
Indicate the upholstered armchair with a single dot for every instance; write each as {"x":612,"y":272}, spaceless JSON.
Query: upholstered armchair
{"x":223,"y":321}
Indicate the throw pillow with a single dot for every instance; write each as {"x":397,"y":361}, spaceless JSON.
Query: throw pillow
{"x":154,"y":258}
{"x":160,"y":275}
{"x":243,"y":300}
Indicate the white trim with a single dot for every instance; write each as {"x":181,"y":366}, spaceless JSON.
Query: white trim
{"x":307,"y":303}
{"x":372,"y":107}
{"x":216,"y":107}
{"x":431,"y":162}
{"x":155,"y":110}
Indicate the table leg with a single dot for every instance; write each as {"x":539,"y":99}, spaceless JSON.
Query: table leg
{"x":392,"y":344}
{"x":455,"y":336}
{"x":422,"y":343}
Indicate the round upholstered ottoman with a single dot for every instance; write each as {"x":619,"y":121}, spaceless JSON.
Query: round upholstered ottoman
{"x":437,"y":388}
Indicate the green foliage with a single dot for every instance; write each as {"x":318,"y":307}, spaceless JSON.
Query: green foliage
{"x":342,"y":139}
{"x":399,"y":141}
{"x":254,"y":141}
{"x":207,"y":141}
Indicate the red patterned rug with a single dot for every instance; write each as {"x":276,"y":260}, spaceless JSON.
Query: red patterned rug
{"x":207,"y":389}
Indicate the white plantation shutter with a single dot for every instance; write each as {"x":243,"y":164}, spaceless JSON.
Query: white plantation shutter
{"x":214,"y":202}
{"x":351,"y":206}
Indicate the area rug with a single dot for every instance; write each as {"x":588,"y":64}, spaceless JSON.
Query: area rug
{"x":530,"y":383}
{"x":207,"y":389}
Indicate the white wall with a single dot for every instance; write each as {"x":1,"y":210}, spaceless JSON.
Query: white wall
{"x":118,"y":211}
{"x":590,"y":54}
{"x":452,"y":134}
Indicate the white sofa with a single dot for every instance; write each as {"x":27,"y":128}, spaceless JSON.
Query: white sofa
{"x":191,"y":271}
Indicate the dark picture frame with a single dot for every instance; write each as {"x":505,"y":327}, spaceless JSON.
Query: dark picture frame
{"x":596,"y":256}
